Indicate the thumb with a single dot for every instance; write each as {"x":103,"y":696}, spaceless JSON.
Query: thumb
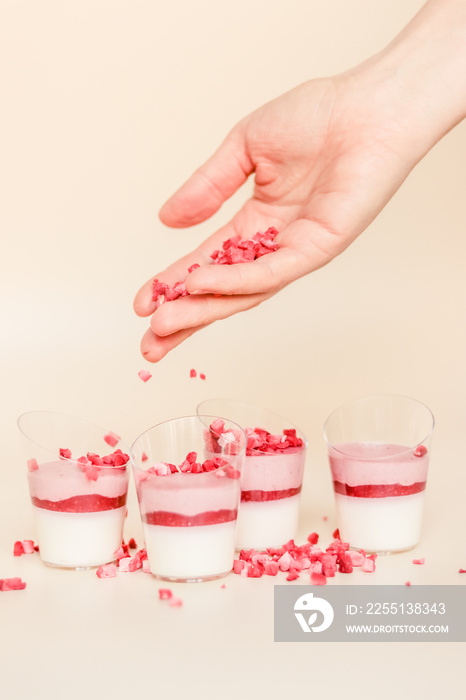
{"x":213,"y":183}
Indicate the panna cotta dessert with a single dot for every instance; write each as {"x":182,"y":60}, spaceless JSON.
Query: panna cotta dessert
{"x":379,"y":494}
{"x":189,"y":517}
{"x":270,"y":489}
{"x":272,"y":474}
{"x":79,"y":507}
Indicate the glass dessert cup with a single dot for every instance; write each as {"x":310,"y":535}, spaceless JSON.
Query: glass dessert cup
{"x":271,"y":482}
{"x":79,"y":502}
{"x":379,"y":449}
{"x":187,"y":478}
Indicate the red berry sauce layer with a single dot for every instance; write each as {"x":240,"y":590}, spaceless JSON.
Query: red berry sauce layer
{"x":378,"y":490}
{"x":89,"y":503}
{"x":262,"y":496}
{"x":211,"y":517}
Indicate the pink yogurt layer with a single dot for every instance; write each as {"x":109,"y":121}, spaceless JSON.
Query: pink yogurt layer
{"x":187,"y":500}
{"x":63,"y":486}
{"x":375,"y":470}
{"x":272,"y":476}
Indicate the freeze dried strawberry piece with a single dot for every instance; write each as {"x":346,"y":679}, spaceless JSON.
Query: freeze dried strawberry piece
{"x":407,"y":583}
{"x":32,"y":464}
{"x":368,"y":565}
{"x":193,"y":267}
{"x":357,"y":558}
{"x":293,"y":575}
{"x":217,"y":427}
{"x":91,"y":472}
{"x":329,"y":564}
{"x":270,"y":568}
{"x":238,"y":565}
{"x":65,"y":453}
{"x":202,"y":375}
{"x":18,"y":549}
{"x":175,"y":602}
{"x":255,"y":571}
{"x":462,"y":571}
{"x":420,"y":451}
{"x":165,"y":593}
{"x":144,"y":375}
{"x":192,"y":373}
{"x":132,"y":543}
{"x":112,"y":439}
{"x":144,"y":457}
{"x":12,"y":584}
{"x":120,"y":552}
{"x":336,"y":534}
{"x":285,"y":561}
{"x":419,"y":561}
{"x":28,"y":546}
{"x":107,"y":571}
{"x":95,"y":459}
{"x":318,"y":579}
{"x":313,"y":538}
{"x":129,"y":564}
{"x":345,"y":565}
{"x":316,"y":567}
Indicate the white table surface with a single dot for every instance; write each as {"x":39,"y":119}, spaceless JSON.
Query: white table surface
{"x":70,"y":634}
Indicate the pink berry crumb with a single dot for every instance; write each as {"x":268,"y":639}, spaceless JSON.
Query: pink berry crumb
{"x":144,"y":375}
{"x":112,"y":439}
{"x":192,"y":373}
{"x":12,"y":584}
{"x":32,"y":464}
{"x":318,"y":579}
{"x":175,"y":602}
{"x":419,"y":561}
{"x":107,"y":571}
{"x":165,"y":593}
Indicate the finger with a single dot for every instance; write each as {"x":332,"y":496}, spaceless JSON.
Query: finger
{"x":199,"y":310}
{"x":154,"y":348}
{"x":212,"y":184}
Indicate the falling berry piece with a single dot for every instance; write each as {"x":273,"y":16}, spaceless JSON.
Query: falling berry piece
{"x":419,"y":561}
{"x":144,"y":375}
{"x":202,"y":375}
{"x":112,"y":439}
{"x":420,"y":451}
{"x":192,"y":373}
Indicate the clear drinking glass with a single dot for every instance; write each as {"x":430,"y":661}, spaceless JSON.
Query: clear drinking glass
{"x":271,"y":482}
{"x":187,"y":472}
{"x":78,"y":483}
{"x":379,"y":449}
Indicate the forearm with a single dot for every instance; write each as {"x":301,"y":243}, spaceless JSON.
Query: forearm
{"x":425,"y":67}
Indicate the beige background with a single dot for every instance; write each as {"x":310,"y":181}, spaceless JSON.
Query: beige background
{"x":107,"y":106}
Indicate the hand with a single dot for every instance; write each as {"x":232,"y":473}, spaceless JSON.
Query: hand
{"x":326,"y":158}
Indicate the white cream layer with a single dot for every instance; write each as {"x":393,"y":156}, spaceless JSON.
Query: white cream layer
{"x":75,"y":540}
{"x":187,"y":553}
{"x":380,"y":524}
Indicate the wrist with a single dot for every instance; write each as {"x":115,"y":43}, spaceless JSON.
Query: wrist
{"x":423,"y":72}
